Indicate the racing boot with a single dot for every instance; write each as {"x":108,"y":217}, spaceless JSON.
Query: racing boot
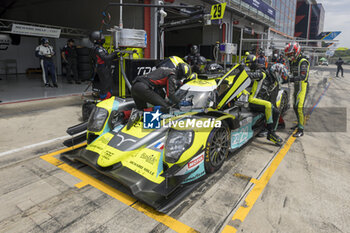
{"x":299,"y":133}
{"x":263,"y":133}
{"x":294,"y":127}
{"x":272,"y":136}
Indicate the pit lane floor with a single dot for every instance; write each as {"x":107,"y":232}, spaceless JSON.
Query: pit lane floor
{"x":38,"y":195}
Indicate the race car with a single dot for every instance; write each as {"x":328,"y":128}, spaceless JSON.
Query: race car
{"x":163,"y":157}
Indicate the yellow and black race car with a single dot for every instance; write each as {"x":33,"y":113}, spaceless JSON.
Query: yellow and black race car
{"x":163,"y":157}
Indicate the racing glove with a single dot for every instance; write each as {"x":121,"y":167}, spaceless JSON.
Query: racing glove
{"x":256,"y":75}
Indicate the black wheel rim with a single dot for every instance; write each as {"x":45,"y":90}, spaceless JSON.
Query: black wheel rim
{"x":219,"y":147}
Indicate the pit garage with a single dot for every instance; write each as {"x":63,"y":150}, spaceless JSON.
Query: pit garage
{"x":51,"y":181}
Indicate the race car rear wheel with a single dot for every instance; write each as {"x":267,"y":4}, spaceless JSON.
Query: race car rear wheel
{"x":217,"y":148}
{"x":284,"y":103}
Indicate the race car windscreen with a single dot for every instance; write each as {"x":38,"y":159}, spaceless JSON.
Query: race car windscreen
{"x":195,"y":99}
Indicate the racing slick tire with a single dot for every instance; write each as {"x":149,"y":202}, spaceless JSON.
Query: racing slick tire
{"x":284,"y":104}
{"x":217,"y":148}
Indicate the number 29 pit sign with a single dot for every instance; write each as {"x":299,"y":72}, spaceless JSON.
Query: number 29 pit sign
{"x":217,"y":11}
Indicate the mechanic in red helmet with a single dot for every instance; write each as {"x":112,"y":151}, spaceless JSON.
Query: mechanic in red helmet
{"x":299,"y":67}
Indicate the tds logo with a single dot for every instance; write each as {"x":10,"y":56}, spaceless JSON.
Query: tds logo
{"x":151,"y":120}
{"x":144,"y":70}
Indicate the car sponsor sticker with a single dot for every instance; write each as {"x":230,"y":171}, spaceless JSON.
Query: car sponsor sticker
{"x":241,"y":135}
{"x":194,"y":162}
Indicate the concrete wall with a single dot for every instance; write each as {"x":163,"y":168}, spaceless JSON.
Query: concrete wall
{"x":24,"y":53}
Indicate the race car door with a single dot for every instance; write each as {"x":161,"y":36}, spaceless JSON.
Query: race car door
{"x":233,"y":83}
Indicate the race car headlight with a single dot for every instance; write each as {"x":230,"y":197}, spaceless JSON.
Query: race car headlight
{"x":176,"y":143}
{"x":97,"y":119}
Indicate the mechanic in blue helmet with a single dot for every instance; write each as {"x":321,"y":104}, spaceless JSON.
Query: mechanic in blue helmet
{"x":102,"y":64}
{"x":45,"y":52}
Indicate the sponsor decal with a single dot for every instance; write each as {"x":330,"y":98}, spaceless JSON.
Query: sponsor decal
{"x":194,"y":162}
{"x":142,"y":168}
{"x":5,"y":41}
{"x":107,"y":155}
{"x":241,"y":135}
{"x":143,"y":70}
{"x":35,"y":31}
{"x":148,"y":158}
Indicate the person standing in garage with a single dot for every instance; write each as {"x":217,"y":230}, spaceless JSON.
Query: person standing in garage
{"x":102,"y":64}
{"x":45,"y":52}
{"x":262,"y":60}
{"x":69,"y":56}
{"x":195,"y":60}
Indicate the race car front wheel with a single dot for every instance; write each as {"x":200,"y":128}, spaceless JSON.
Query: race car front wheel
{"x":217,"y":148}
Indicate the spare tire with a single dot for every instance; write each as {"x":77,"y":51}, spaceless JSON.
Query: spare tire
{"x":83,"y":59}
{"x":85,"y":75}
{"x":84,"y":67}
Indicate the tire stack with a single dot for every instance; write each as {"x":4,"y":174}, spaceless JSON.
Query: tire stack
{"x":84,"y":64}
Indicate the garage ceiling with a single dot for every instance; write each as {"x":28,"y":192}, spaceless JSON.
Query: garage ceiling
{"x":84,"y":14}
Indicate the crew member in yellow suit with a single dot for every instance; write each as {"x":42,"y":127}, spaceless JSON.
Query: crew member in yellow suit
{"x":299,"y":67}
{"x":255,"y":103}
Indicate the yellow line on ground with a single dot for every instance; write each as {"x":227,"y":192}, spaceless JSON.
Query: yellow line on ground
{"x":81,"y":184}
{"x":165,"y":219}
{"x":259,"y":186}
{"x":86,"y":179}
{"x":229,"y":229}
{"x":63,"y":150}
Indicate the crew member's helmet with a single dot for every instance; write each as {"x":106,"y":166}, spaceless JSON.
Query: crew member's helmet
{"x":292,"y":51}
{"x":97,"y":37}
{"x":280,"y":72}
{"x":251,"y":62}
{"x":183,"y":71}
{"x":44,"y":41}
{"x":214,"y":68}
{"x":194,"y":49}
